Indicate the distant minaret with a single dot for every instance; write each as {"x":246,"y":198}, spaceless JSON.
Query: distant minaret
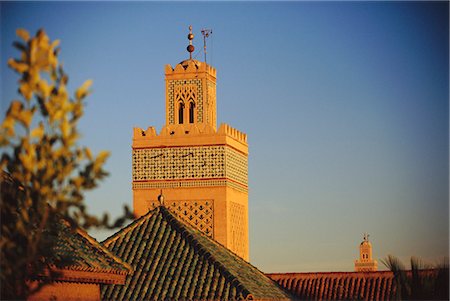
{"x":365,"y":263}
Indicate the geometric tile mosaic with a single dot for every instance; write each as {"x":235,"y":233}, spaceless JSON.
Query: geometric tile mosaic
{"x":211,"y":102}
{"x":236,"y":166}
{"x":184,"y":163}
{"x":199,"y":214}
{"x":237,"y":227}
{"x":184,"y":184}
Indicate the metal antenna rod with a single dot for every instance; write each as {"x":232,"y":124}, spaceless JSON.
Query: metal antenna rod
{"x":205,"y":33}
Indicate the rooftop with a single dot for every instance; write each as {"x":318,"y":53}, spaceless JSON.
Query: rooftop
{"x":76,"y":251}
{"x":174,"y":261}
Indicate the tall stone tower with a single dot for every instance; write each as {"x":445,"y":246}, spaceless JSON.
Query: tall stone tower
{"x":202,"y":172}
{"x":365,"y":263}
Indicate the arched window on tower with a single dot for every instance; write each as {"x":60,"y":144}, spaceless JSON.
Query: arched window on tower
{"x":180,"y":113}
{"x":191,"y":112}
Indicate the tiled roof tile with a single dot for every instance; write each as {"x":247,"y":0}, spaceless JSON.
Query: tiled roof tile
{"x":76,"y":250}
{"x":174,"y":261}
{"x":338,"y":285}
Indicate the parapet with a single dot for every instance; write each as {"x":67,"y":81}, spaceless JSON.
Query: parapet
{"x":173,"y":130}
{"x":139,"y":133}
{"x":189,"y":66}
{"x":185,"y":129}
{"x":230,"y":131}
{"x":188,"y":130}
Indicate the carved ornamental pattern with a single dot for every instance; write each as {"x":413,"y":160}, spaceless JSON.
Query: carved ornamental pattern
{"x":181,"y":184}
{"x":183,"y":91}
{"x":211,"y":103}
{"x":189,"y":163}
{"x":238,"y":228}
{"x":237,"y":166}
{"x":199,"y":214}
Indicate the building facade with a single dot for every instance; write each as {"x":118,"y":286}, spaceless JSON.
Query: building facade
{"x":201,"y":171}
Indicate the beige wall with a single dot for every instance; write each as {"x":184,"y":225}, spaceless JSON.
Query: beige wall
{"x":68,"y":291}
{"x":224,"y":221}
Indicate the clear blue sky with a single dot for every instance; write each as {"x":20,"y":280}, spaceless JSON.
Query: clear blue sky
{"x":345,"y":104}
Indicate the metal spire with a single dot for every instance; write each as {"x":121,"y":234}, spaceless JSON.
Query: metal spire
{"x":191,"y":47}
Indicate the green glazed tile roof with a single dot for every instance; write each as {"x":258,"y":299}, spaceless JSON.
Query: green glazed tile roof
{"x":172,"y":261}
{"x":77,"y":250}
{"x":74,"y":249}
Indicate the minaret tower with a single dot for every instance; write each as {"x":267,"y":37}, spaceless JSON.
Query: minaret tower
{"x":365,"y":263}
{"x":201,"y":170}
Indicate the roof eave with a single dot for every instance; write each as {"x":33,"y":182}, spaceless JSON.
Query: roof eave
{"x":70,"y":275}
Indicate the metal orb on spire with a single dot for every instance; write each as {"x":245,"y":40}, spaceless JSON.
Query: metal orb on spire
{"x":191,"y":47}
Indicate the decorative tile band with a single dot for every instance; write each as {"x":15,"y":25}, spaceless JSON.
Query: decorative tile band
{"x":190,"y":163}
{"x":186,"y":184}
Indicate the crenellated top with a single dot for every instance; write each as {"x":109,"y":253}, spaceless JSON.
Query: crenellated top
{"x":230,"y":131}
{"x":190,"y":134}
{"x":189,"y":130}
{"x":190,"y":66}
{"x":175,"y":131}
{"x":139,"y":133}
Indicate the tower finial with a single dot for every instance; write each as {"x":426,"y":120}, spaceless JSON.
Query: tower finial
{"x":191,"y":47}
{"x":366,"y":236}
{"x":161,"y":198}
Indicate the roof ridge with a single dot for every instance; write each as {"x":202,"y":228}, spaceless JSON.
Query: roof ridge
{"x":137,"y":222}
{"x":190,"y":233}
{"x":102,"y":248}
